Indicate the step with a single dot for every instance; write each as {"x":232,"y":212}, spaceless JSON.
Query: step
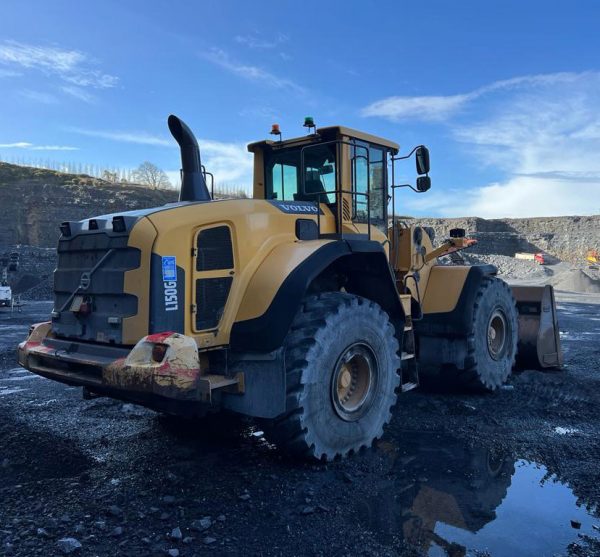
{"x":409,"y":386}
{"x":211,"y":382}
{"x":407,"y":356}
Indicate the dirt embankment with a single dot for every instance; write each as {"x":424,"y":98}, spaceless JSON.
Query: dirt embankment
{"x":35,"y":201}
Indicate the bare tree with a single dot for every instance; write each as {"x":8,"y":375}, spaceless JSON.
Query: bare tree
{"x":110,"y":176}
{"x":150,"y":175}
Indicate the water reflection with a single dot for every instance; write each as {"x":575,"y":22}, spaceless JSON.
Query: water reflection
{"x":445,"y":497}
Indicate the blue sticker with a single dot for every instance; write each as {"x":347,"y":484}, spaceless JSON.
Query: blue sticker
{"x":169,"y":267}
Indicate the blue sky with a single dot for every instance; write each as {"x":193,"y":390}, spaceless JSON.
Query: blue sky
{"x":505,"y":94}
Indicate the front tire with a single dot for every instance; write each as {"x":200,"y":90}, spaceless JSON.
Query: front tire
{"x":492,"y":344}
{"x":341,"y":365}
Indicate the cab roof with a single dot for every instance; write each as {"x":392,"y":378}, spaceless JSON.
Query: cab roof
{"x":327,"y":133}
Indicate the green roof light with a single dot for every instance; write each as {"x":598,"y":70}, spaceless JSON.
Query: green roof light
{"x":309,"y":122}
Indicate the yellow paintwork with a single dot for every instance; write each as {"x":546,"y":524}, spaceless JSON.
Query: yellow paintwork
{"x":136,"y":282}
{"x":257,"y":229}
{"x":266,"y":281}
{"x":444,"y":285}
{"x":266,"y":251}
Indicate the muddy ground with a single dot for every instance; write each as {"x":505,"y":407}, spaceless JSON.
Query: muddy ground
{"x":513,"y":473}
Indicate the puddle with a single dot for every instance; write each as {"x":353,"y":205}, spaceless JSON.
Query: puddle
{"x":446,"y":498}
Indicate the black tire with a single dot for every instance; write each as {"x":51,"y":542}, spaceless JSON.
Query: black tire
{"x":335,"y":336}
{"x":490,"y":361}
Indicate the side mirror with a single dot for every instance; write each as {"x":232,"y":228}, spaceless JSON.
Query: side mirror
{"x":423,"y":183}
{"x":422,"y":157}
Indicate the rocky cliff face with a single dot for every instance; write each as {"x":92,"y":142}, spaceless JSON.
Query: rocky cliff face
{"x":567,"y":238}
{"x":33,"y":202}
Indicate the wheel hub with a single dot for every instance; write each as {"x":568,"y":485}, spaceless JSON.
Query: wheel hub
{"x":353,"y":382}
{"x":497,"y":334}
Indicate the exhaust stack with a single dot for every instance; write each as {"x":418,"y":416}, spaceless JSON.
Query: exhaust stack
{"x":193,"y":184}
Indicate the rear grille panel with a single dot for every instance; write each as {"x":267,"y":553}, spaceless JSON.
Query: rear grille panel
{"x":78,"y":255}
{"x":214,"y":249}
{"x":211,"y":297}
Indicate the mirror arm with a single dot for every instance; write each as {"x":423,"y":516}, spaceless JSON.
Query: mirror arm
{"x":407,"y":186}
{"x":406,"y":156}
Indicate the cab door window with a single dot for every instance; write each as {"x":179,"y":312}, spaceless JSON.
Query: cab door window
{"x":368,"y":176}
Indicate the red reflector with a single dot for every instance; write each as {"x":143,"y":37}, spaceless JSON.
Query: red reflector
{"x":158,"y":352}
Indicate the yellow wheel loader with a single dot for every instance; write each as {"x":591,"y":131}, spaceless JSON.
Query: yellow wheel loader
{"x":302,"y":306}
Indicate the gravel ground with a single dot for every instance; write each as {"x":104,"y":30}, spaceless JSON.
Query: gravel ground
{"x":514,"y":473}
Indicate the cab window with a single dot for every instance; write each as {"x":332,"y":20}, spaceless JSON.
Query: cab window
{"x":284,"y":178}
{"x":283,"y":174}
{"x":368,"y":163}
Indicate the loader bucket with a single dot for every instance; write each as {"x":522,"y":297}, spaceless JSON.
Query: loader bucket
{"x":539,"y":340}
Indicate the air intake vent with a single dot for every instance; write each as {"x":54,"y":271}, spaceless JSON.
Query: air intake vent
{"x":211,"y":297}
{"x":214,"y":249}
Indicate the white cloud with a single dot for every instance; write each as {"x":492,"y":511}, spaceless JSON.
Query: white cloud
{"x":78,"y":93}
{"x":9,"y":73}
{"x":442,"y":107}
{"x":421,"y":108}
{"x":258,"y":42}
{"x":141,"y":138}
{"x":39,"y":96}
{"x":544,"y":139}
{"x":33,"y":147}
{"x":231,"y":163}
{"x":534,"y":197}
{"x":252,"y":73}
{"x":71,"y":66}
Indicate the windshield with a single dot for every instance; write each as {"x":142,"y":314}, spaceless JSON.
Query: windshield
{"x":283,"y":174}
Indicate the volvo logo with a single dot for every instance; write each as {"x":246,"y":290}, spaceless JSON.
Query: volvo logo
{"x":85,"y":281}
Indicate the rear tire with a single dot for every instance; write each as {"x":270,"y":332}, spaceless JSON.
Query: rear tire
{"x":492,"y":343}
{"x":341,"y":365}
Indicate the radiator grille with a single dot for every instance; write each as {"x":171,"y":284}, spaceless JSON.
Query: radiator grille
{"x":214,"y":249}
{"x":78,"y":255}
{"x":211,"y":297}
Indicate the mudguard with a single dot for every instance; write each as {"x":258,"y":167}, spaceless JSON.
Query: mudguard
{"x":363,"y":262}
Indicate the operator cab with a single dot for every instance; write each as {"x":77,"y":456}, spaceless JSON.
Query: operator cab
{"x":345,"y":169}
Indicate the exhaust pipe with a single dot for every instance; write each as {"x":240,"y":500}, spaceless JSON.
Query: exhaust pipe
{"x":193,"y":184}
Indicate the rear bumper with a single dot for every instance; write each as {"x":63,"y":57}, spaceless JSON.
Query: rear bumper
{"x":176,"y":383}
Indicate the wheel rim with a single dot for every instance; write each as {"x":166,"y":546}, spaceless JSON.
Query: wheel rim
{"x":354,"y":381}
{"x":496,"y":334}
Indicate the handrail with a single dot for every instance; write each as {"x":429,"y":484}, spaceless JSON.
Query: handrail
{"x":212,"y":180}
